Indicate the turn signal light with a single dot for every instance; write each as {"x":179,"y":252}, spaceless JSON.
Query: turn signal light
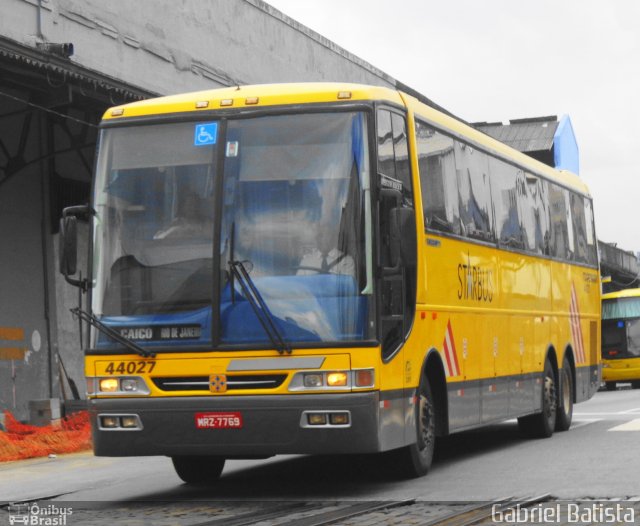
{"x":364,"y":378}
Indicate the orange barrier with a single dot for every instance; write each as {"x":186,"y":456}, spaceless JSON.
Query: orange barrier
{"x":21,"y":441}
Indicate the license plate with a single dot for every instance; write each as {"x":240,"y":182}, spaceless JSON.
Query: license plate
{"x":219,"y":420}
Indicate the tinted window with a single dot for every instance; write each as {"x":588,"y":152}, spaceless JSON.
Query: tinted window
{"x":393,"y":153}
{"x":582,"y":217}
{"x":506,"y":182}
{"x":438,"y":182}
{"x":474,"y":196}
{"x":401,"y":149}
{"x":562,"y":245}
{"x":535,"y":214}
{"x":386,"y":155}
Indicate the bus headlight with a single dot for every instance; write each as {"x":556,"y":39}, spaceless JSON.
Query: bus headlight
{"x":350,"y":380}
{"x":313,"y":380}
{"x":117,"y":386}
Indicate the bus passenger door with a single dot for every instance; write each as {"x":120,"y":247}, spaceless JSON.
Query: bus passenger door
{"x":396,"y":260}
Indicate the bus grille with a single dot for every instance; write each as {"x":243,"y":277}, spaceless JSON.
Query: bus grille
{"x":234,"y":383}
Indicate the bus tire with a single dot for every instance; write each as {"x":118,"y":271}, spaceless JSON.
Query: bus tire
{"x":635,"y":384}
{"x":564,"y":413}
{"x":610,"y":386}
{"x":541,"y":425}
{"x":415,"y":460}
{"x":198,"y":470}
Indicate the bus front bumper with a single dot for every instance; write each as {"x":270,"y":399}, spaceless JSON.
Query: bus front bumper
{"x":270,"y":425}
{"x":621,"y":370}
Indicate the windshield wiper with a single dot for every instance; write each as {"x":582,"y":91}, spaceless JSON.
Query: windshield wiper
{"x":111,"y":333}
{"x":262,"y":312}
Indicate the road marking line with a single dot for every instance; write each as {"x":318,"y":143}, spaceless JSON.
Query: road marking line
{"x":584,"y":422}
{"x":633,"y":425}
{"x":629,"y":411}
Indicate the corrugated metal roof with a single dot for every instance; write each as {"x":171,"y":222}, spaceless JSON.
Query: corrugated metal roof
{"x":526,"y":135}
{"x":71,"y":71}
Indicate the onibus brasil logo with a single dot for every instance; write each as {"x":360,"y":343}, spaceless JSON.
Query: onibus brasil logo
{"x":34,"y":514}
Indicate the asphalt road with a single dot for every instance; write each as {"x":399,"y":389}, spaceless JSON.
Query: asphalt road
{"x":599,"y":457}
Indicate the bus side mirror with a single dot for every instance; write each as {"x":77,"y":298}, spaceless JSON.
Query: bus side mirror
{"x":68,"y":245}
{"x":403,"y":236}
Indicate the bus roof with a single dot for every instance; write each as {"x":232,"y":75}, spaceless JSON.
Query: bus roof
{"x":258,"y":95}
{"x":482,"y":140}
{"x":262,"y":95}
{"x":626,"y":293}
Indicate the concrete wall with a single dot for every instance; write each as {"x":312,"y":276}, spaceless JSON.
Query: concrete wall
{"x":170,"y":46}
{"x":24,"y":341}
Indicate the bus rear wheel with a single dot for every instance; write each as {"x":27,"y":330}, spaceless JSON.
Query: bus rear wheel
{"x":415,"y":460}
{"x":610,"y":386}
{"x":542,"y":425}
{"x":565,"y":400}
{"x":199,"y":470}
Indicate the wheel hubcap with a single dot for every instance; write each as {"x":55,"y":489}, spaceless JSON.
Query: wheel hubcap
{"x":426,"y":432}
{"x":566,"y":391}
{"x":549,"y":398}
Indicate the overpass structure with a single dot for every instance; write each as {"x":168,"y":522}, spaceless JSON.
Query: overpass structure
{"x":62,"y":63}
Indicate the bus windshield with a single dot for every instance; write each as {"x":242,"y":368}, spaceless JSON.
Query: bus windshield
{"x":289,"y":195}
{"x":621,"y":328}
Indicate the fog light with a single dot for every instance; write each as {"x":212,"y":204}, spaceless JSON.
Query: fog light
{"x":364,"y":378}
{"x":313,"y":380}
{"x":109,"y":385}
{"x":129,"y":422}
{"x":317,"y":419}
{"x":339,"y":419}
{"x":337,"y":379}
{"x":110,"y":422}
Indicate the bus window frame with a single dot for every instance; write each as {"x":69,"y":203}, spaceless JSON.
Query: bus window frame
{"x":527,"y":169}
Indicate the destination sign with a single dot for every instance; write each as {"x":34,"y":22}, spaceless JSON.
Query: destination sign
{"x":160,"y":332}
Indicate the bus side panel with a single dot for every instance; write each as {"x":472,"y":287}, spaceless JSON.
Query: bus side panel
{"x":576,"y":302}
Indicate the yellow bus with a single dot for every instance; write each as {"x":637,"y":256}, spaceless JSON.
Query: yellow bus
{"x":326,"y":268}
{"x":621,"y":338}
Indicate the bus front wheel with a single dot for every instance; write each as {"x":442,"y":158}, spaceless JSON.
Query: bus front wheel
{"x":198,"y":470}
{"x":415,"y":460}
{"x":610,"y":386}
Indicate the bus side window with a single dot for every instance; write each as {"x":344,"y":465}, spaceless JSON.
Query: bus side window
{"x":592,"y":250}
{"x":579,"y":228}
{"x":472,"y":169}
{"x":386,"y":154}
{"x":534,"y":214}
{"x":562,"y":243}
{"x":505,"y":181}
{"x":401,"y":149}
{"x":438,"y":183}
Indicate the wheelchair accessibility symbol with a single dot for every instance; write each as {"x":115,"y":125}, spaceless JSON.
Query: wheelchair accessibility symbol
{"x":205,"y":134}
